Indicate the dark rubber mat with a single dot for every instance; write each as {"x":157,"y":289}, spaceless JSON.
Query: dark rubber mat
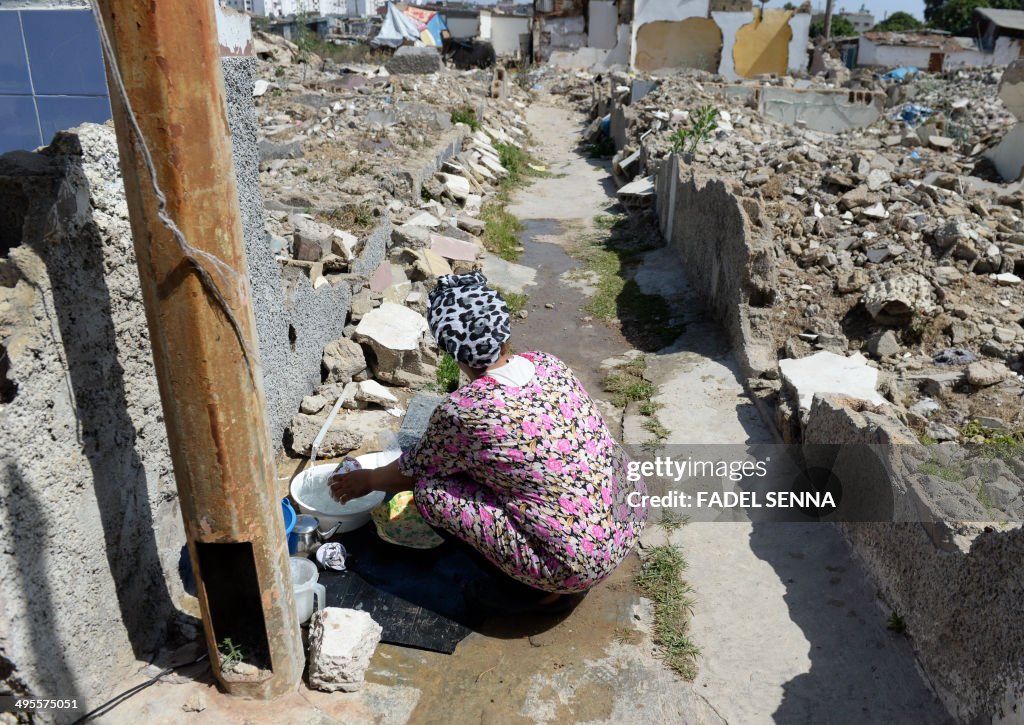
{"x":416,"y":596}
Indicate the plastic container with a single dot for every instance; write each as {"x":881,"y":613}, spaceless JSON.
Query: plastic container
{"x":289,"y":523}
{"x":309,"y":488}
{"x":309,"y":594}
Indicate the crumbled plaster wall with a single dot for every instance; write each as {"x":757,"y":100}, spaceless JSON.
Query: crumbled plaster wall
{"x":749,"y":43}
{"x":690,"y":43}
{"x":90,"y":522}
{"x":762,"y":46}
{"x":648,"y":11}
{"x":959,"y":591}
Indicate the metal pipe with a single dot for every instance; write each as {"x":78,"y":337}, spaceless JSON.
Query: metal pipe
{"x":196,"y":291}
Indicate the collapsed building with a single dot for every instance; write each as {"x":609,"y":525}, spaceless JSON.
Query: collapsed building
{"x":733,"y":39}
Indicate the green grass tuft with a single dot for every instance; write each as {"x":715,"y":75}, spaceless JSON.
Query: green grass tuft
{"x":660,"y":580}
{"x":447,"y":374}
{"x":516,"y":301}
{"x":466,"y":116}
{"x":501,"y":235}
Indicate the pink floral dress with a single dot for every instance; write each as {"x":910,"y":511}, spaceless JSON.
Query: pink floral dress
{"x":529,"y":476}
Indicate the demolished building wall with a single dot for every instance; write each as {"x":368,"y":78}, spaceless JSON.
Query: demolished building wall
{"x":690,"y":43}
{"x":751,"y":42}
{"x":725,"y":248}
{"x":762,"y":46}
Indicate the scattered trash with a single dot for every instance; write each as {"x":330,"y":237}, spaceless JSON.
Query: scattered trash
{"x":332,"y":555}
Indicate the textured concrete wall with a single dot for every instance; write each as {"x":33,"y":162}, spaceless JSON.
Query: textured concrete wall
{"x":959,"y":591}
{"x":293,"y":321}
{"x":91,"y":524}
{"x":831,"y":111}
{"x":726,"y":254}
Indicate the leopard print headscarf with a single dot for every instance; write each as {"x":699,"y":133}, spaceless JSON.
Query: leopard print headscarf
{"x":468,"y":319}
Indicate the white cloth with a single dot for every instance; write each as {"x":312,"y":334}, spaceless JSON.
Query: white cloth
{"x":517,"y":372}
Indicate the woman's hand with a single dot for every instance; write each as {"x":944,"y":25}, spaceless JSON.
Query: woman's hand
{"x":348,"y":486}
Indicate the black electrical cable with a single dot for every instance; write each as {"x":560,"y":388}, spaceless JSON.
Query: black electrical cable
{"x":118,"y":699}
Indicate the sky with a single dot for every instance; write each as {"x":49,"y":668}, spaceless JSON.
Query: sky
{"x":878,"y":8}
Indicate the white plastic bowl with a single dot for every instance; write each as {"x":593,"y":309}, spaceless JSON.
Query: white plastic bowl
{"x":312,"y":483}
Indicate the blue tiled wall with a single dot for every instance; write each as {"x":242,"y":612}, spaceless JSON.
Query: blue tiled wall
{"x":51,"y":75}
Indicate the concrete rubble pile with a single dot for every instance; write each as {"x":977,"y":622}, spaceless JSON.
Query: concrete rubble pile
{"x":894,"y":239}
{"x":350,"y":152}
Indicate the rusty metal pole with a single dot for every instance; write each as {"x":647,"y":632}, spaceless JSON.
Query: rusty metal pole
{"x":211,"y":387}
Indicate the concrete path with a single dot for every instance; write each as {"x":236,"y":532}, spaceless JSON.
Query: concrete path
{"x":790,"y":629}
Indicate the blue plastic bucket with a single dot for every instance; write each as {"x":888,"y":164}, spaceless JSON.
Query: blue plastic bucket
{"x":289,"y":524}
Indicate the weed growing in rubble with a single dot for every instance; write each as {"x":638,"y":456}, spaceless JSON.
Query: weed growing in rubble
{"x":896,"y":624}
{"x":466,"y":116}
{"x":230,"y":653}
{"x":448,"y":374}
{"x":660,"y":579}
{"x":702,"y":125}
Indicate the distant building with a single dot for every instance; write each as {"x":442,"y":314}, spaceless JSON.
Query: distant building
{"x":862,"y":21}
{"x":997,"y":27}
{"x":932,"y":51}
{"x":287,"y":8}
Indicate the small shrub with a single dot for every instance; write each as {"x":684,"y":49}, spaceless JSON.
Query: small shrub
{"x":702,"y":124}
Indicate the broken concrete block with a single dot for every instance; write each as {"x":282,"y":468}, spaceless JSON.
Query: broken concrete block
{"x":311,"y":239}
{"x":826,"y":372}
{"x":472,"y":225}
{"x":884,"y":343}
{"x":361,"y":304}
{"x":896,"y":300}
{"x":370,"y":391}
{"x":450,"y":248}
{"x":431,"y":265}
{"x":986,"y":373}
{"x":313,"y":404}
{"x":411,"y":235}
{"x":393,"y":333}
{"x":638,"y":193}
{"x":457,"y":187}
{"x":413,"y":60}
{"x":400,"y":285}
{"x":341,"y":643}
{"x":473,"y":204}
{"x":424,"y":219}
{"x":342,"y":360}
{"x":348,"y":432}
{"x":856,"y":198}
{"x":344,"y":245}
{"x":941,"y":142}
